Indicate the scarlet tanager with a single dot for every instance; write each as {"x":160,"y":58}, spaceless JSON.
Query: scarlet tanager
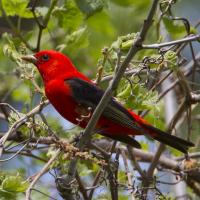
{"x":75,"y":97}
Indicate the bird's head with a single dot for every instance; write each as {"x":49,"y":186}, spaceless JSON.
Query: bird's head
{"x":51,"y":64}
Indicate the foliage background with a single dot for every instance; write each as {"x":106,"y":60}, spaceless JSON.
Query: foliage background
{"x":83,"y":30}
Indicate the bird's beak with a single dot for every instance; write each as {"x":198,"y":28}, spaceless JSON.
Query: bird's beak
{"x":30,"y":58}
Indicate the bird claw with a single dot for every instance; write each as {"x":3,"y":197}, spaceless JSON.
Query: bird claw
{"x":77,"y":138}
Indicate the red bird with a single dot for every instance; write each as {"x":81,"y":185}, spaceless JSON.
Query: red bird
{"x":75,"y":97}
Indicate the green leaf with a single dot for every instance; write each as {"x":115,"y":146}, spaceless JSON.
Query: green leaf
{"x":171,"y":59}
{"x":126,"y":3}
{"x":77,"y":40}
{"x":42,"y":11}
{"x":5,"y":195}
{"x":69,"y":16}
{"x":124,"y":42}
{"x":21,"y":93}
{"x":154,"y":60}
{"x":175,"y":152}
{"x":156,"y":119}
{"x":90,"y":7}
{"x":174,"y":27}
{"x":13,"y":117}
{"x":144,"y":145}
{"x":125,"y":92}
{"x":86,"y":172}
{"x":17,"y":7}
{"x":123,"y":197}
{"x":122,"y":178}
{"x":14,"y":184}
{"x":9,"y":49}
{"x":136,"y":96}
{"x":86,"y":168}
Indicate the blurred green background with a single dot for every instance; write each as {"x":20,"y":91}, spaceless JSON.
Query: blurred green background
{"x":80,"y":30}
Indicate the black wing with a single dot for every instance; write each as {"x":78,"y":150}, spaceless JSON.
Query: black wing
{"x":89,"y":95}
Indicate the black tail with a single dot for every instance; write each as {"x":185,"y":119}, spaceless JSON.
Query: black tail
{"x":126,"y":139}
{"x":171,"y":140}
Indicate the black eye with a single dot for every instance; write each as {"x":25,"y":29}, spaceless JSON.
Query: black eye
{"x":45,"y":57}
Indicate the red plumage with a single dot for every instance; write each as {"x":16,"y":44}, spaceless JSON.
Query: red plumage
{"x":75,"y":97}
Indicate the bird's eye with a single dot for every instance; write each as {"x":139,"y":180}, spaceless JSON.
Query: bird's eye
{"x":45,"y":57}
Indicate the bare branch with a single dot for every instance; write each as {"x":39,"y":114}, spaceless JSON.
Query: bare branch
{"x":175,"y":42}
{"x":41,"y":173}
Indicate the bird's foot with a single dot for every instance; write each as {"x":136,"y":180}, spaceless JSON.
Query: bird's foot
{"x":77,"y":138}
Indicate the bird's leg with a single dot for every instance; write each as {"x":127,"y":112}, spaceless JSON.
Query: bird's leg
{"x":84,"y":113}
{"x":77,"y":138}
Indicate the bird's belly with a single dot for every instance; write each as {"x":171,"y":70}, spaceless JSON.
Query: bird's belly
{"x":61,"y":100}
{"x":66,"y":108}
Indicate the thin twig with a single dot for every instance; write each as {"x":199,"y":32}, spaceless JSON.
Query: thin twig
{"x":164,"y":44}
{"x":94,"y":184}
{"x":44,"y":194}
{"x":41,"y":173}
{"x":82,"y":187}
{"x":22,"y":153}
{"x":15,"y":154}
{"x":10,"y":107}
{"x":134,"y":161}
{"x":128,"y":174}
{"x":19,"y":122}
{"x":44,"y":24}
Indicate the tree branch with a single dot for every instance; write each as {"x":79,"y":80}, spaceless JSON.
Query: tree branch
{"x":42,"y":172}
{"x":175,"y":42}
